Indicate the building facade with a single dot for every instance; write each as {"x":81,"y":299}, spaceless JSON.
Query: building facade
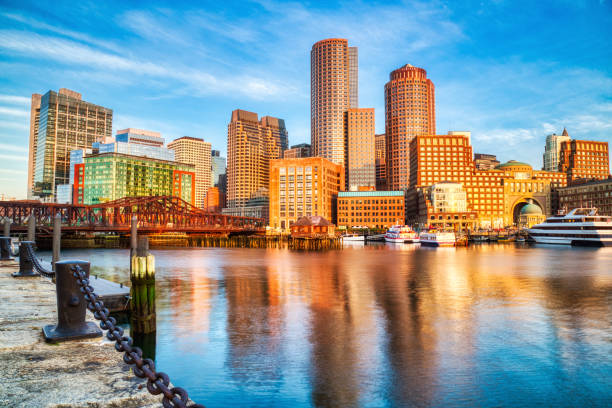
{"x":484,"y":161}
{"x":552,"y":149}
{"x":297,"y":151}
{"x":594,"y":193}
{"x":140,"y":137}
{"x":195,"y":152}
{"x":380,"y":155}
{"x":584,"y":159}
{"x":111,"y":176}
{"x":303,"y":187}
{"x":251,"y":144}
{"x":495,"y":197}
{"x":63,"y":123}
{"x":333,"y":90}
{"x":34,"y":119}
{"x":409,"y":111}
{"x":372,"y":209}
{"x":360,"y":164}
{"x":218,"y":165}
{"x":215,"y":200}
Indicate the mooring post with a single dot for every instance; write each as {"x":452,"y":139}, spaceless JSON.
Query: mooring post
{"x":5,"y":248}
{"x":26,"y":266}
{"x":142,"y":276}
{"x":7,"y":228}
{"x":32,"y":227}
{"x":134,"y":235}
{"x":71,"y":306}
{"x":57,"y":234}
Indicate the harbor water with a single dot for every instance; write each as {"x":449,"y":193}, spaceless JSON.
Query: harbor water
{"x":382,"y":325}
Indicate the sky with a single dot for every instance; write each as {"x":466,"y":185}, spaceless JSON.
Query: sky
{"x":510,"y":72}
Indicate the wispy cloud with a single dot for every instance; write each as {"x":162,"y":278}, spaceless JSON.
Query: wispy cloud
{"x":13,"y":112}
{"x":14,"y":100}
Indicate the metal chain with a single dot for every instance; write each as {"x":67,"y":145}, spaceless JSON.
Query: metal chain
{"x":157,"y":382}
{"x":36,"y":263}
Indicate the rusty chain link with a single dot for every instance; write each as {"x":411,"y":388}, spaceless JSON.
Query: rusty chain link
{"x":157,"y":382}
{"x":36,"y":263}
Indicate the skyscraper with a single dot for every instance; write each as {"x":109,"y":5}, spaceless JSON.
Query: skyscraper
{"x":251,"y":144}
{"x":65,"y":123}
{"x":409,"y":111}
{"x":218,"y":164}
{"x":360,"y":148}
{"x":195,"y":151}
{"x":551,"y":150}
{"x":34,"y":118}
{"x":333,"y":90}
{"x":380,"y":155}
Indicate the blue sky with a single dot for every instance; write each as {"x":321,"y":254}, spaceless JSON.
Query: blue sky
{"x":509,"y":71}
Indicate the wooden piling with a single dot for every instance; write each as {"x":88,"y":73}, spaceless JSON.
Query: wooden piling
{"x":142,"y":302}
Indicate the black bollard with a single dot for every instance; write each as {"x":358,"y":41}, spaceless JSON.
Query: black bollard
{"x":25,"y":263}
{"x":5,"y":249}
{"x":71,"y":306}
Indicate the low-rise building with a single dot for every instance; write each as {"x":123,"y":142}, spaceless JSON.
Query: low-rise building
{"x":303,"y":187}
{"x":372,"y":209}
{"x":593,"y":193}
{"x":215,"y":200}
{"x":297,"y":151}
{"x":484,"y":161}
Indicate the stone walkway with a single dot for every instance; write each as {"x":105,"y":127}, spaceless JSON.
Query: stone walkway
{"x":83,"y":373}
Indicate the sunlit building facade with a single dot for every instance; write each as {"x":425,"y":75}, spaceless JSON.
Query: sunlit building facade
{"x":372,"y":209}
{"x":484,"y":161}
{"x":595,"y":193}
{"x":360,"y":168}
{"x":297,"y":151}
{"x":409,"y":111}
{"x":61,"y":123}
{"x":552,"y":149}
{"x":380,"y":157}
{"x":251,"y":144}
{"x":196,"y":152}
{"x":584,"y":159}
{"x":303,"y":187}
{"x":333,"y":90}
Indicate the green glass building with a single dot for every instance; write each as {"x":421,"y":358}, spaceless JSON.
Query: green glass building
{"x":110,"y":176}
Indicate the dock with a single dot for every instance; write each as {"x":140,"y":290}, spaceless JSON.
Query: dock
{"x":114,"y":295}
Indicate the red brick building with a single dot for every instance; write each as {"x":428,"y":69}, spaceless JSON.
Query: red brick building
{"x":584,"y":159}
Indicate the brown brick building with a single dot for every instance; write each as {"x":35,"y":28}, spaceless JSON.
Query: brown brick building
{"x":584,"y":159}
{"x":380,"y":155}
{"x":303,"y":187}
{"x":297,"y":151}
{"x":594,"y":193}
{"x":360,"y":169}
{"x":373,"y":209}
{"x":409,"y":111}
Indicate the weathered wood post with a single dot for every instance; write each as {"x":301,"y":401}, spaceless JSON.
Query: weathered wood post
{"x":57,"y":234}
{"x":142,"y":275}
{"x":7,"y":228}
{"x":32,"y":227}
{"x":134,"y":235}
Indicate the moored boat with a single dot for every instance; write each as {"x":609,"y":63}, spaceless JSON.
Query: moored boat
{"x":400,"y":234}
{"x":353,"y":238}
{"x":437,"y":238}
{"x":580,"y":227}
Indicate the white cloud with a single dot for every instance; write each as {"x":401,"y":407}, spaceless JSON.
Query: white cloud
{"x":14,"y":100}
{"x":13,"y":148}
{"x":14,"y":112}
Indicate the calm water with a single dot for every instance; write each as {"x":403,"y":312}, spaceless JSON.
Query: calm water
{"x":383,"y":326}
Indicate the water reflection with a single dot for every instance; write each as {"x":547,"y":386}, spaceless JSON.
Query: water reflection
{"x":488,"y":325}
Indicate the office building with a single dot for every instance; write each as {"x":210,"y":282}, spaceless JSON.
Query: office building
{"x":195,"y":152}
{"x":409,"y":111}
{"x":372,"y":209}
{"x":297,"y":151}
{"x":494,"y":197}
{"x":584,"y":159}
{"x":485,"y":161}
{"x":594,"y":193}
{"x":136,"y":142}
{"x":303,"y":187}
{"x":62,"y":123}
{"x":140,"y":137}
{"x":334,"y":89}
{"x":215,"y":200}
{"x":251,"y":144}
{"x":360,"y":164}
{"x":107,"y":177}
{"x":380,"y":155}
{"x":552,"y":149}
{"x":218,"y":165}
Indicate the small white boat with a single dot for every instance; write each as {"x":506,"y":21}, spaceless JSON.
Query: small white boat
{"x":437,"y":238}
{"x":400,"y":234}
{"x":353,"y":238}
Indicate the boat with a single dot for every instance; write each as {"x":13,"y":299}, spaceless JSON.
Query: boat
{"x":400,"y":234}
{"x":437,"y":238}
{"x":353,"y":238}
{"x":580,"y":227}
{"x":520,"y":239}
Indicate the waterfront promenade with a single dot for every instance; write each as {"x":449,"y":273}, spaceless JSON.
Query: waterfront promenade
{"x":83,"y":373}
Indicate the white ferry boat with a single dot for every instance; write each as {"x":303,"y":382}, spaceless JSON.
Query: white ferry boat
{"x":582,"y":226}
{"x":437,"y":238}
{"x":353,"y":238}
{"x":400,"y":234}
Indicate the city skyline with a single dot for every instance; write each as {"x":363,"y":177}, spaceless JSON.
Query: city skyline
{"x":503,"y":88}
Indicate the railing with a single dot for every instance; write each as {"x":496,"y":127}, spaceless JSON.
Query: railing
{"x":74,"y":295}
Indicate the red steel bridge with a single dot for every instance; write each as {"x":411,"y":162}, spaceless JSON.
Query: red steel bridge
{"x":155,"y":214}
